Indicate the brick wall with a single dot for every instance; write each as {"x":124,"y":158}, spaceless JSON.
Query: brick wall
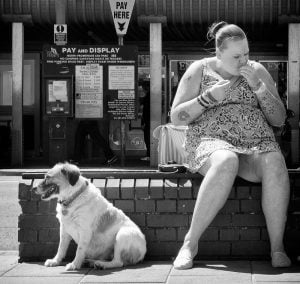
{"x":163,"y":209}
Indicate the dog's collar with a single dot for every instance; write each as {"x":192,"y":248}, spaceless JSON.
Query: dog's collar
{"x":68,"y":201}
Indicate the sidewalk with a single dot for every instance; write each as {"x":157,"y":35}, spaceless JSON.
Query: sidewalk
{"x":223,"y":272}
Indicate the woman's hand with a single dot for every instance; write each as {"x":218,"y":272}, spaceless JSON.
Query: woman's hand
{"x":250,"y":74}
{"x":218,"y":90}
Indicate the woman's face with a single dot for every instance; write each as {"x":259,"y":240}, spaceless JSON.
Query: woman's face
{"x":234,"y":55}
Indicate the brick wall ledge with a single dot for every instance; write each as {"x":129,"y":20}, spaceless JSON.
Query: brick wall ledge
{"x":140,"y":174}
{"x":162,"y":205}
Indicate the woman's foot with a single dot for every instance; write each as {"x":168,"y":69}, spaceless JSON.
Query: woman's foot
{"x":184,"y":259}
{"x":280,"y":259}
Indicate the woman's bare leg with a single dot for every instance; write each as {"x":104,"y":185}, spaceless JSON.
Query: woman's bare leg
{"x":271,"y":170}
{"x":219,"y":174}
{"x":275,"y":199}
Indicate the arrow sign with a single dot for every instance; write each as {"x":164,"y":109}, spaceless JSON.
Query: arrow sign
{"x":121,"y":12}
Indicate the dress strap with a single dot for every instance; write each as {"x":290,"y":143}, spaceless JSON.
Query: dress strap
{"x":203,"y":66}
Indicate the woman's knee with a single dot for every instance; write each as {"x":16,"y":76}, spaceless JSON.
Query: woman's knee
{"x":273,"y":160}
{"x":273,"y":163}
{"x":225,"y":161}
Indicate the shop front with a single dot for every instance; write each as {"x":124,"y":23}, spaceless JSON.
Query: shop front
{"x":61,"y":144}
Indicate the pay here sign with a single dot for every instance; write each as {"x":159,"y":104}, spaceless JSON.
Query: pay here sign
{"x":121,"y":12}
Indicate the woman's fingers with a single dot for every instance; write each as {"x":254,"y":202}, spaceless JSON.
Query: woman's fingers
{"x":249,"y":73}
{"x":224,"y":83}
{"x":212,"y":83}
{"x":247,"y":68}
{"x":245,"y":74}
{"x":218,"y":90}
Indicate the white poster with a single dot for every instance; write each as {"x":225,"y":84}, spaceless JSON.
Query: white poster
{"x":121,"y":77}
{"x":89,"y":91}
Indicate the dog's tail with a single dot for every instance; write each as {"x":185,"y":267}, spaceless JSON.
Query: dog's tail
{"x":132,"y":256}
{"x":125,"y":257}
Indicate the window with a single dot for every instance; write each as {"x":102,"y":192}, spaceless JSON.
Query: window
{"x":6,"y":83}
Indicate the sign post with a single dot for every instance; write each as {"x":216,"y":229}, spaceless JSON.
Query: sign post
{"x":122,"y":123}
{"x":121,"y":13}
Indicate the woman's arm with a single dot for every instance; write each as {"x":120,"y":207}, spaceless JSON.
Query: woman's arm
{"x":185,"y":107}
{"x":263,"y":85}
{"x":269,"y":99}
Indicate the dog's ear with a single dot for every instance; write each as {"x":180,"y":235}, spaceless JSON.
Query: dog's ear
{"x":72,"y":173}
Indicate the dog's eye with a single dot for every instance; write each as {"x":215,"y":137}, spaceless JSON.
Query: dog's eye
{"x":47,"y":177}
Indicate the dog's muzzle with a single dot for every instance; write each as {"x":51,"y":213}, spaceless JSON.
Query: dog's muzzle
{"x":46,"y":190}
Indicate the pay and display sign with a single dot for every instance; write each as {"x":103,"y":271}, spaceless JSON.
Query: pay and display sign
{"x":121,"y":12}
{"x":106,"y":78}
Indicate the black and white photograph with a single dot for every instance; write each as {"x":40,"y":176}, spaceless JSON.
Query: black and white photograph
{"x":149,"y":141}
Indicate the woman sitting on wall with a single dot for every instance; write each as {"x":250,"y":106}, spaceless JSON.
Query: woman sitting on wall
{"x":230,"y":103}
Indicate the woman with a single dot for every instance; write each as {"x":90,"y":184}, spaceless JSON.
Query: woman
{"x":230,"y":104}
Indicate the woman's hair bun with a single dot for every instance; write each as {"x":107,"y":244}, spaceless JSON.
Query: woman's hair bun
{"x":214,"y":28}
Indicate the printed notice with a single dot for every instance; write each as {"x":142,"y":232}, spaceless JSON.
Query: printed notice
{"x":126,"y":94}
{"x":89,"y":78}
{"x":120,"y":77}
{"x":88,"y":108}
{"x":123,"y":105}
{"x":89,"y":91}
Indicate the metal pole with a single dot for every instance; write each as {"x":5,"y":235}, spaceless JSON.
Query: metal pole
{"x":60,"y":11}
{"x":122,"y":124}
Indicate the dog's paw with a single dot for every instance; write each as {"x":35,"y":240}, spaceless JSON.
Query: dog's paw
{"x":71,"y":266}
{"x":89,"y":263}
{"x":98,"y":264}
{"x":51,"y":262}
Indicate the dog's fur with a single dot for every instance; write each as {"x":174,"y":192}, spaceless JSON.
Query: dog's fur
{"x":105,"y":236}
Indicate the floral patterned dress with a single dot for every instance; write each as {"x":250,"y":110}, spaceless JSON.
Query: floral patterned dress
{"x":236,"y":124}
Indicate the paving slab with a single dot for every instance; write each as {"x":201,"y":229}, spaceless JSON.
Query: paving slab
{"x":39,"y":280}
{"x":153,"y":272}
{"x":8,"y":260}
{"x":34,"y":269}
{"x":146,"y":272}
{"x":213,"y":272}
{"x":215,"y":268}
{"x":234,"y":279}
{"x":277,"y":282}
{"x":263,"y":272}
